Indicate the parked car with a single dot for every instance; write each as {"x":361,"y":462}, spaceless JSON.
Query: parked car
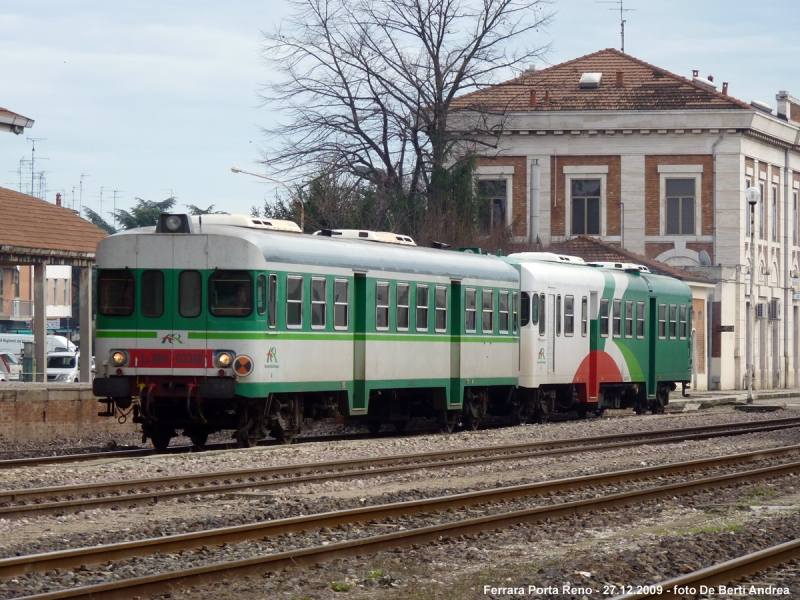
{"x":64,"y":367}
{"x":10,"y":366}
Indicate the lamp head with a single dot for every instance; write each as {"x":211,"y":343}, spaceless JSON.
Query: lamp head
{"x":753,"y":195}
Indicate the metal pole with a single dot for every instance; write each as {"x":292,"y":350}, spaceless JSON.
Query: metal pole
{"x":750,"y":311}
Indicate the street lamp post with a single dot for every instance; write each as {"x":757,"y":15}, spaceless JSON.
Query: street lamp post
{"x":753,"y":195}
{"x":295,"y":196}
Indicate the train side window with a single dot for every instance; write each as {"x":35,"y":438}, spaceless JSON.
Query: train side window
{"x":487,"y":312}
{"x":628,"y":318}
{"x":230,"y":294}
{"x":524,"y":309}
{"x":673,"y":321}
{"x":341,"y":303}
{"x":272,"y":302}
{"x":569,"y":315}
{"x":682,"y":331}
{"x":558,"y":314}
{"x":152,"y":294}
{"x":515,"y":312}
{"x":617,"y":318}
{"x":382,"y":305}
{"x":190,"y":294}
{"x":423,"y":294}
{"x":470,"y":310}
{"x":261,"y":294}
{"x":604,"y":317}
{"x":535,"y":309}
{"x":294,"y":301}
{"x":402,"y":306}
{"x":440,"y":316}
{"x":640,"y":320}
{"x":116,"y":296}
{"x":584,"y":311}
{"x":502,"y":312}
{"x":662,"y":321}
{"x":542,"y":314}
{"x":319,"y":302}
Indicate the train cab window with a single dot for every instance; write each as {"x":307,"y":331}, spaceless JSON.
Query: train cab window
{"x":617,"y":318}
{"x":319,"y":302}
{"x":487,"y":311}
{"x":558,"y":314}
{"x":524,"y":309}
{"x":584,"y":322}
{"x":628,"y":318}
{"x":272,"y":301}
{"x":116,"y":296}
{"x":294,"y":301}
{"x":640,"y":320}
{"x":152,"y":294}
{"x":470,"y":310}
{"x":502,"y":312}
{"x":230,"y":293}
{"x":682,"y":331}
{"x":535,"y":309}
{"x":261,"y":294}
{"x":190,"y":294}
{"x":423,"y":302}
{"x":542,"y":315}
{"x":604,"y":317}
{"x":440,"y":315}
{"x":515,"y":312}
{"x":673,"y":321}
{"x":341,"y":303}
{"x":662,"y":321}
{"x":382,"y":305}
{"x":569,"y":315}
{"x":403,"y":298}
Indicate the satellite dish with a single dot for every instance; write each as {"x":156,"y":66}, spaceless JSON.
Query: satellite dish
{"x":705,"y":259}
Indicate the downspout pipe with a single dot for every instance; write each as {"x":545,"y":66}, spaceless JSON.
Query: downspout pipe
{"x":714,"y":196}
{"x":786,"y":238}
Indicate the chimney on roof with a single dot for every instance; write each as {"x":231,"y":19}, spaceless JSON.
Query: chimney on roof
{"x":533,"y":98}
{"x":710,"y":78}
{"x":619,"y":78}
{"x":695,"y":72}
{"x":725,"y":87}
{"x":58,"y":199}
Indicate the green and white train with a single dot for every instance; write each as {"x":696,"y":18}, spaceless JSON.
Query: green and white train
{"x":227,"y":322}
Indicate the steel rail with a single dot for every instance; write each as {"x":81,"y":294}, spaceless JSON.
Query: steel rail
{"x":164,"y":582}
{"x":165,"y":544}
{"x":123,"y":493}
{"x":725,"y":572}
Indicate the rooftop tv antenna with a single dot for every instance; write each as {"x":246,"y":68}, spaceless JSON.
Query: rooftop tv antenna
{"x":80,"y":194}
{"x":33,"y":153}
{"x":622,"y":10}
{"x":114,"y":214}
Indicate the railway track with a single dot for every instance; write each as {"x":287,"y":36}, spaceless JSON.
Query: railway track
{"x":273,"y":560}
{"x":73,"y":498}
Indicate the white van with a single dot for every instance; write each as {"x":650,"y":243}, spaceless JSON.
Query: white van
{"x":12,"y":343}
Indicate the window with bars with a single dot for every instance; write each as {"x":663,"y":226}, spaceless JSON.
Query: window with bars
{"x":680,"y":199}
{"x":585,"y":203}
{"x":492,"y":204}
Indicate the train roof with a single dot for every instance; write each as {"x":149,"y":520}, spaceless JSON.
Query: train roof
{"x":352,"y":253}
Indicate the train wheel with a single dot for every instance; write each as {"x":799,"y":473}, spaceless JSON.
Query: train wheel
{"x":523,"y":412}
{"x":245,"y":438}
{"x":199,"y":437}
{"x":474,"y":409}
{"x":161,"y":438}
{"x":282,"y":436}
{"x":541,"y":412}
{"x":373,"y":427}
{"x":448,"y":420}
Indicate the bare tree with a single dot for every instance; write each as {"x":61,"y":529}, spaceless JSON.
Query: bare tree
{"x":367,"y":87}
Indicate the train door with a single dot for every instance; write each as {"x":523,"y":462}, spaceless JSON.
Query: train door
{"x":594,"y":346}
{"x":359,"y":402}
{"x":188,"y":299}
{"x":652,"y":336}
{"x":551,"y":333}
{"x":155,"y":334}
{"x":455,"y":327}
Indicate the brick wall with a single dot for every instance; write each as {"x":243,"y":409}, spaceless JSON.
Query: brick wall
{"x":558,"y":191}
{"x":519,"y":189}
{"x":699,"y":314}
{"x":654,"y":249}
{"x":36,"y":412}
{"x":697,"y":246}
{"x":652,"y":190}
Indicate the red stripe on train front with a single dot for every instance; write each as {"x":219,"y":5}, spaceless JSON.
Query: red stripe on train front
{"x":158,"y":358}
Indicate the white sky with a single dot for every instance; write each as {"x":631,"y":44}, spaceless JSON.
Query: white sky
{"x":153,"y":98}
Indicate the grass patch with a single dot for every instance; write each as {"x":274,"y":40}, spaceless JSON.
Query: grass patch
{"x":341,"y":587}
{"x":375,"y":574}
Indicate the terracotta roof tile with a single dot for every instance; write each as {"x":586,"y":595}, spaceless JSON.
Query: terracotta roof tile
{"x":12,"y":117}
{"x":591,"y":249}
{"x":644,"y":87}
{"x":29,"y":222}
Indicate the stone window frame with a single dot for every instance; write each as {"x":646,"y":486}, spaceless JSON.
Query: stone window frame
{"x":688,"y":171}
{"x":585,"y":172}
{"x":506,"y":173}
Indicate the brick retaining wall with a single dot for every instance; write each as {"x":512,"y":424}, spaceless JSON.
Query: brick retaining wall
{"x":38,"y":412}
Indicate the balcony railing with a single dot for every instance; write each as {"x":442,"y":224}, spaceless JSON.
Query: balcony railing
{"x":16,"y":309}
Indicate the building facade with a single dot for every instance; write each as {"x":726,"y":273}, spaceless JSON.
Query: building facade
{"x":612,"y":147}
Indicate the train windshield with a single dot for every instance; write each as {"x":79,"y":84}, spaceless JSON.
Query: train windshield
{"x":230,"y":294}
{"x":116,"y":293}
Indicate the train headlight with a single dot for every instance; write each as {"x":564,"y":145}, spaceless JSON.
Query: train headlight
{"x":173,"y":222}
{"x":119,"y":358}
{"x":223,"y":359}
